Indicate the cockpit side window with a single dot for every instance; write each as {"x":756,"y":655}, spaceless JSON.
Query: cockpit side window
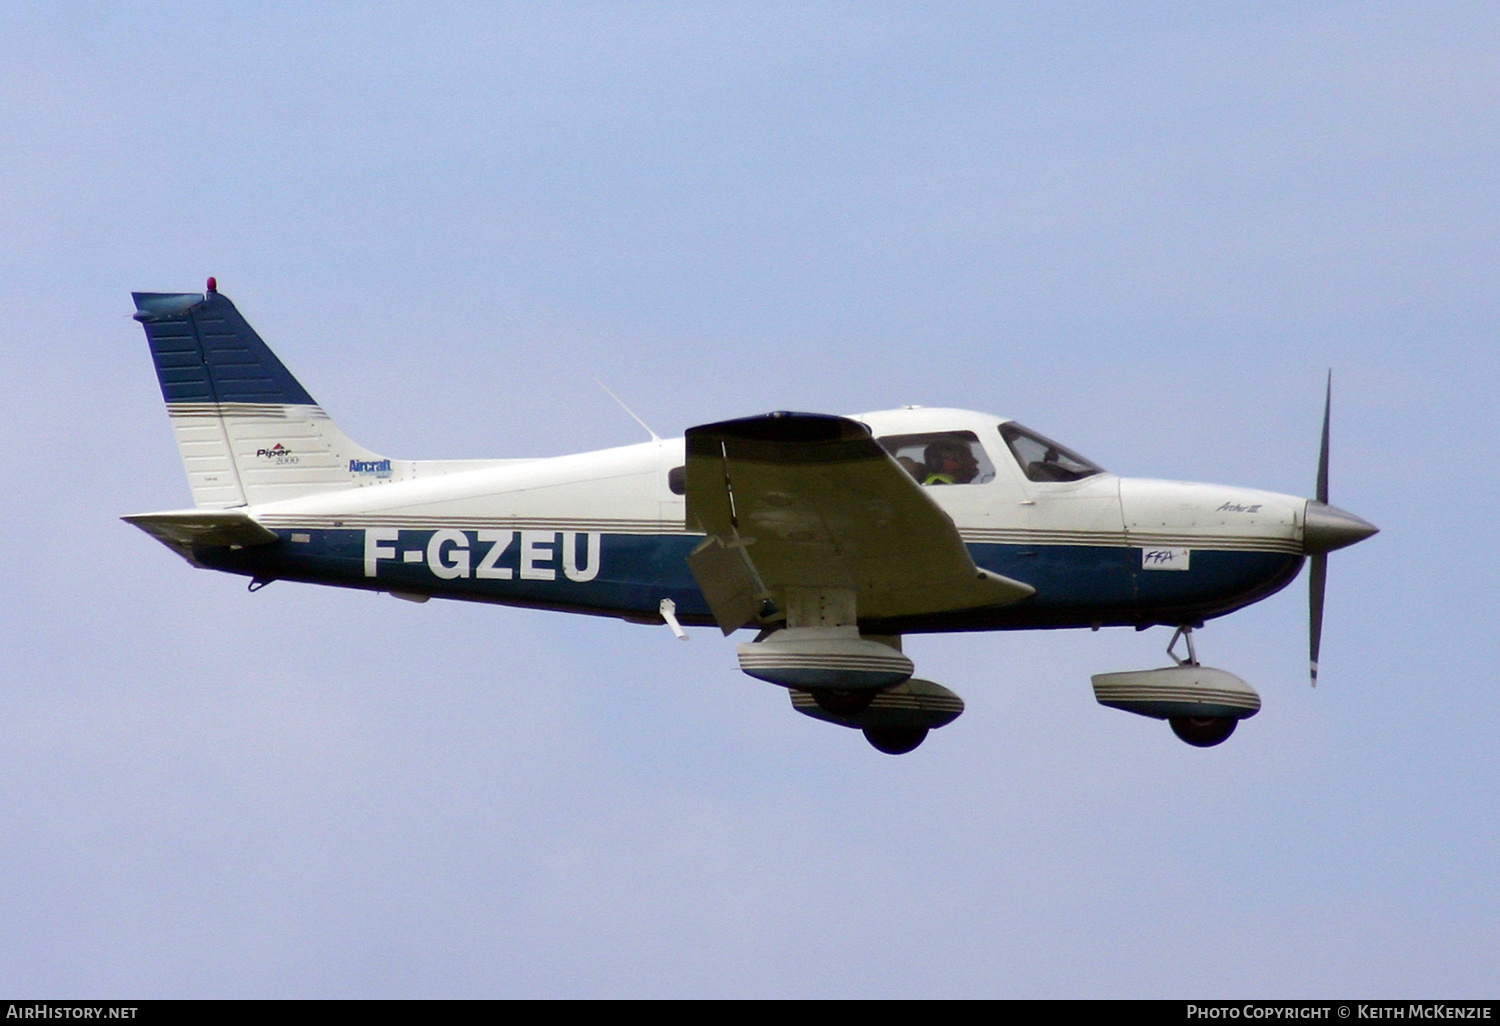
{"x":1043,"y":459}
{"x":942,"y":457}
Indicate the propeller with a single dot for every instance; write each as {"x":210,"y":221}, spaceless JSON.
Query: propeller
{"x":1324,"y":529}
{"x":1317,"y":578}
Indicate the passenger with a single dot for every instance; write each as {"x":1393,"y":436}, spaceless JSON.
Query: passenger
{"x":950,"y":461}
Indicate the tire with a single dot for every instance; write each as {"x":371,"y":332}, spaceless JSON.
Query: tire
{"x":895,"y":740}
{"x":1203,"y":731}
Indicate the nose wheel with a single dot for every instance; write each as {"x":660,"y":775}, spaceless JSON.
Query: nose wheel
{"x":1198,"y":731}
{"x":1203,"y":731}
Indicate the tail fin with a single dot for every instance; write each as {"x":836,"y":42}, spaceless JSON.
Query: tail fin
{"x":248,"y":431}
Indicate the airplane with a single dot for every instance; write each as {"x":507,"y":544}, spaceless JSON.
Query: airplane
{"x":830,"y":536}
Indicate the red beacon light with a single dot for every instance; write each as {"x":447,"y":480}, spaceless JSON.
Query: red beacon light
{"x":213,"y":284}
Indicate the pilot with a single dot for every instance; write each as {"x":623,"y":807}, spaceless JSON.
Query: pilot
{"x":949,"y":461}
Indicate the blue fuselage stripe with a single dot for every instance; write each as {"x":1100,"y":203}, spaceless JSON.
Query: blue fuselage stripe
{"x":628,"y":575}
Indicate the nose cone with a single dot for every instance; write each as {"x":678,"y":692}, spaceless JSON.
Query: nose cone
{"x":1326,"y":528}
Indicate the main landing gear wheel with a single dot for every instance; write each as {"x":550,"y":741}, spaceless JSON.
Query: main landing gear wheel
{"x":898,"y":740}
{"x":843,"y":703}
{"x":1202,"y":731}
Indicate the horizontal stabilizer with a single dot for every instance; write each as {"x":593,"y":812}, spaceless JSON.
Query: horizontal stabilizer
{"x":182,"y":529}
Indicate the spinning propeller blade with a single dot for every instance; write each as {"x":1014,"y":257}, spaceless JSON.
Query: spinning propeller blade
{"x":1317,"y":579}
{"x":1325,"y":528}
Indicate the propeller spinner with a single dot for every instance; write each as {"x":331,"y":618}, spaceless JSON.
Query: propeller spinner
{"x":1325,"y":528}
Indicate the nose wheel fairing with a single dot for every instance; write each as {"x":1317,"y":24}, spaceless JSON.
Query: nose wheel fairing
{"x":1194,"y":692}
{"x":1202,"y":704}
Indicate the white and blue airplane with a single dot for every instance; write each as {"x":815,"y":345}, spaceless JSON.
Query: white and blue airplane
{"x":831,"y":536}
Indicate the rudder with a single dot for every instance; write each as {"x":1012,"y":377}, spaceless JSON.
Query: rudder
{"x":248,"y":432}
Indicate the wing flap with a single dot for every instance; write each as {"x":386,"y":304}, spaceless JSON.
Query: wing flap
{"x":808,"y":500}
{"x":728,"y":582}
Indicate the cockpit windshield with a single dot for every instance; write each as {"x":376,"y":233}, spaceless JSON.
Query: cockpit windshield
{"x":1043,"y":459}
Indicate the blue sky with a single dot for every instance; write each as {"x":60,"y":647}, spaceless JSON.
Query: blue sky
{"x":1146,"y":231}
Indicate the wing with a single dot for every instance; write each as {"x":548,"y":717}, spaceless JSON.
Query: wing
{"x":802,"y":500}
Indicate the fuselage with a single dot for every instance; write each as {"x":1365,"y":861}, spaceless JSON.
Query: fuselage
{"x":606,"y":533}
